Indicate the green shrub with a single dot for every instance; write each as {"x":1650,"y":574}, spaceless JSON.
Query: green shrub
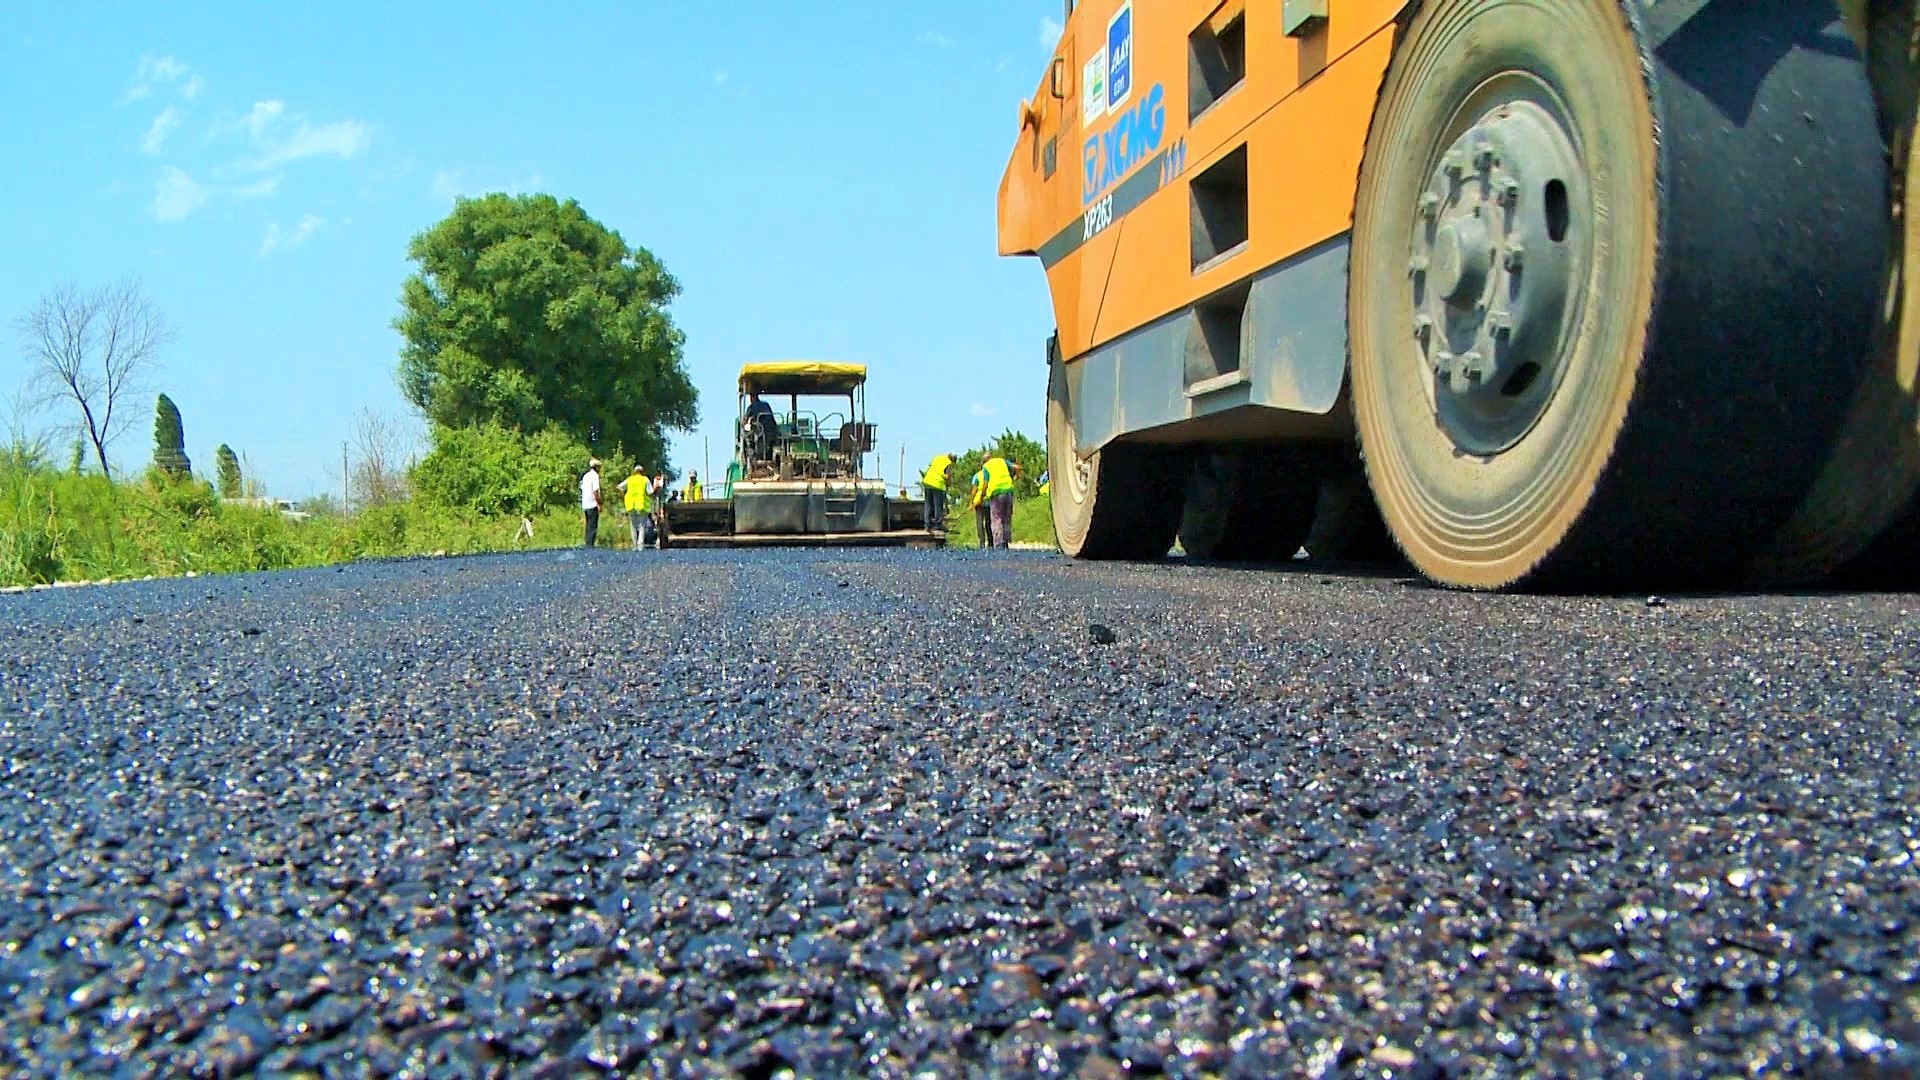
{"x":240,"y":538}
{"x":1018,"y":449}
{"x":473,"y":468}
{"x":29,"y":534}
{"x":375,"y":531}
{"x":92,"y":513}
{"x":57,"y":526}
{"x":490,"y":470}
{"x":188,"y":498}
{"x":25,"y":453}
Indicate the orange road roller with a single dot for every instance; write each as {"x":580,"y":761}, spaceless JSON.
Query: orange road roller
{"x":1581,"y":294}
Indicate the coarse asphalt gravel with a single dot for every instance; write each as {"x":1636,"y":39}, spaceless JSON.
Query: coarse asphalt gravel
{"x":897,"y":813}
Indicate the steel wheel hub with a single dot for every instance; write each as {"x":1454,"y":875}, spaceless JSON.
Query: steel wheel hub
{"x":1497,"y":258}
{"x":1079,"y":476}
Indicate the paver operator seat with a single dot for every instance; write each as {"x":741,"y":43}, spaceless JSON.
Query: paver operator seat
{"x":761,"y":432}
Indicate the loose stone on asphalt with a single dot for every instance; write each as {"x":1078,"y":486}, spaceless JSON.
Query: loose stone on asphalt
{"x":711,"y":813}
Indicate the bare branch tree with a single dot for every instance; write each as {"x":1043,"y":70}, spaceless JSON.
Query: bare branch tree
{"x":380,"y":445}
{"x":95,"y":349}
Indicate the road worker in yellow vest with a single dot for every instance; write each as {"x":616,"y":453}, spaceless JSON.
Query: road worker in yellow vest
{"x":634,"y":489}
{"x":934,"y":484}
{"x":999,"y":488}
{"x":978,"y":500}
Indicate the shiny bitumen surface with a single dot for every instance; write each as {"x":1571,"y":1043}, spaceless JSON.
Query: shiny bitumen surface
{"x":882,"y":812}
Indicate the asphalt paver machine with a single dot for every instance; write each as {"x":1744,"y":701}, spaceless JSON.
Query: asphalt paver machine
{"x":798,"y":475}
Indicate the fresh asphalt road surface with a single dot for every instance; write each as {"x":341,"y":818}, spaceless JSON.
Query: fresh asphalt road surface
{"x":896,"y":812}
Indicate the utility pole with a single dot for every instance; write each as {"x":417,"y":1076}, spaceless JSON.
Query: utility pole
{"x":706,"y":460}
{"x":903,"y":468}
{"x":346,"y":493}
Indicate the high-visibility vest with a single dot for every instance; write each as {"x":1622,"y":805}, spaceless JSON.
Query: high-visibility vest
{"x":979,"y":489}
{"x":936,"y":477}
{"x":999,"y":478}
{"x":636,"y":494}
{"x":693,"y":491}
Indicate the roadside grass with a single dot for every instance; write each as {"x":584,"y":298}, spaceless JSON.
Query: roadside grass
{"x":1032,"y":522}
{"x":56,"y":526}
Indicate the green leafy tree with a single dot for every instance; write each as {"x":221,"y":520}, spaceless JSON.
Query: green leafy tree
{"x":490,"y":468}
{"x":227,"y":467}
{"x":527,"y":313}
{"x":960,"y":480}
{"x":78,"y":463}
{"x":169,"y":441}
{"x":1017,"y":449}
{"x":321,"y":505}
{"x":1026,"y":453}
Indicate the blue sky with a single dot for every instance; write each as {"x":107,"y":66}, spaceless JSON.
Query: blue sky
{"x":820,"y":178}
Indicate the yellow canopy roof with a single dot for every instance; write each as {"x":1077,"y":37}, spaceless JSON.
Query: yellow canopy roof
{"x":801,"y":377}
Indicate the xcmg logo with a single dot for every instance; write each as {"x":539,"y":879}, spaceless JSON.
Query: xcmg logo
{"x":1134,"y":136}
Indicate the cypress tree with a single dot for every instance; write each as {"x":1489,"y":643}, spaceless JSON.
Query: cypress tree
{"x":227,"y":465}
{"x":79,"y":462}
{"x":169,"y":441}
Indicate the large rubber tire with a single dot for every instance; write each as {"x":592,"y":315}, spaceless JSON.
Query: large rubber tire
{"x":1718,"y":287}
{"x":1866,"y":490}
{"x":1248,"y":505}
{"x":1121,"y":503}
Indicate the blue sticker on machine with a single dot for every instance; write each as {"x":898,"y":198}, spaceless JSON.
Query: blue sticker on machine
{"x":1120,"y":56}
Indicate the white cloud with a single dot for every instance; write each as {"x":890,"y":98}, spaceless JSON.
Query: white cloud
{"x":280,"y":139}
{"x":937,"y":40}
{"x":980,"y":409}
{"x":278,"y":239}
{"x":177,"y":195}
{"x":720,"y":77}
{"x":262,"y":116}
{"x":156,"y":71}
{"x":1050,"y":31}
{"x":258,"y":189}
{"x":162,"y":126}
{"x":308,"y":224}
{"x":340,"y":139}
{"x":192,"y":89}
